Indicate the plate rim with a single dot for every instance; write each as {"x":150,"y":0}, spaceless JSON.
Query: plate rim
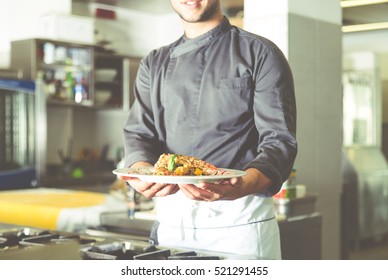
{"x":179,"y":179}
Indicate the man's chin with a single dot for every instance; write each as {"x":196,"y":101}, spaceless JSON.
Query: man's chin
{"x":191,"y":19}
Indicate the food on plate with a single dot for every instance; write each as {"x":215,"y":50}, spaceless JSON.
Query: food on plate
{"x":182,"y":165}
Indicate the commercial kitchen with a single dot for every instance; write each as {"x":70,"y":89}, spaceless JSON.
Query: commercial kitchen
{"x":66,"y":75}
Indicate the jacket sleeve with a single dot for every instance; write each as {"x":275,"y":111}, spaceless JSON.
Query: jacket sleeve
{"x":140,"y":135}
{"x":275,"y":118}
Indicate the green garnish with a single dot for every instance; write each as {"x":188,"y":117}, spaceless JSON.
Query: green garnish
{"x":171,"y":163}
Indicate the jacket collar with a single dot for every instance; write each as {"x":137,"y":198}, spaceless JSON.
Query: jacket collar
{"x":187,"y":45}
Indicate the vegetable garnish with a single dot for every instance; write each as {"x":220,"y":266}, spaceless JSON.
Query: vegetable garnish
{"x":171,"y":162}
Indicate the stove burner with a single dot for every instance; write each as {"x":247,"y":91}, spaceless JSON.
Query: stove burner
{"x":14,"y":237}
{"x":125,"y":251}
{"x":31,"y":237}
{"x":44,"y":239}
{"x":16,"y":242}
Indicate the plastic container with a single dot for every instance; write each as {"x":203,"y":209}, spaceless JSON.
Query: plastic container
{"x":289,"y":187}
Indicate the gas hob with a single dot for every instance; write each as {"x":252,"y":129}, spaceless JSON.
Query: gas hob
{"x":26,"y":243}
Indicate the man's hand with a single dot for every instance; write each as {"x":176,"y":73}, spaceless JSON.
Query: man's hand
{"x":230,"y":189}
{"x":150,"y":190}
{"x":147,"y":189}
{"x":253,"y":182}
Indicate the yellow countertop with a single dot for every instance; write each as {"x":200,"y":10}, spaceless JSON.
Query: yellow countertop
{"x":56,"y":208}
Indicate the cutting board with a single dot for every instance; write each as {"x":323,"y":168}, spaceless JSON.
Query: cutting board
{"x":42,"y":207}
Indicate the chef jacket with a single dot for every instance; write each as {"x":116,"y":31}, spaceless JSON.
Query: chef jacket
{"x":226,"y":97}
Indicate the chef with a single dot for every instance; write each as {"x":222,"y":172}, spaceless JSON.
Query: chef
{"x":225,"y":96}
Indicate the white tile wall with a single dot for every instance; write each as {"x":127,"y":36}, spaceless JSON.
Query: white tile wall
{"x":314,"y":50}
{"x":273,"y":27}
{"x":384,"y":87}
{"x":319,"y":126}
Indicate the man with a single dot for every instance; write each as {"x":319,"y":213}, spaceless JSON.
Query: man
{"x":225,"y":96}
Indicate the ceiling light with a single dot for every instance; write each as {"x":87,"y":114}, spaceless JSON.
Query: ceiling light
{"x":355,"y":3}
{"x":364,"y":27}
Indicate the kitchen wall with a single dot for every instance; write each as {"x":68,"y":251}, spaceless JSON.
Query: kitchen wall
{"x":21,"y":18}
{"x":384,"y":86}
{"x":384,"y":89}
{"x":132,"y":33}
{"x":5,"y":36}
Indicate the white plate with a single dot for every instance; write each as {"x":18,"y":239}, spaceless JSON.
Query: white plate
{"x":145,"y":174}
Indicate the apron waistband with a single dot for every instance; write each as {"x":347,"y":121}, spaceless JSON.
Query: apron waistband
{"x":155,"y":226}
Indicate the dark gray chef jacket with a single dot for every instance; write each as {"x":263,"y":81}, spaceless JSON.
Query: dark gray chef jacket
{"x":226,"y":97}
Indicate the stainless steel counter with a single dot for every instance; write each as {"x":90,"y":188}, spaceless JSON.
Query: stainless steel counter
{"x":301,"y":236}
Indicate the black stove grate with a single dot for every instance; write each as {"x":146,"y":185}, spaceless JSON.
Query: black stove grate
{"x":30,"y":237}
{"x":19,"y":240}
{"x":123,"y":251}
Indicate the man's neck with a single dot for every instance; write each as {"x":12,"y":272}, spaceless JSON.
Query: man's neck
{"x":196,"y":29}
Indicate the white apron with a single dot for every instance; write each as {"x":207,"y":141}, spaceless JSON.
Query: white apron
{"x":245,"y":227}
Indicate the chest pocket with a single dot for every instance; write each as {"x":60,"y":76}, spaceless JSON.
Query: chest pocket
{"x":236,"y":94}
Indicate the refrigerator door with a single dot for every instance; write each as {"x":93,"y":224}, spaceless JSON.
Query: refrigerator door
{"x":365,"y":194}
{"x":17,"y":134}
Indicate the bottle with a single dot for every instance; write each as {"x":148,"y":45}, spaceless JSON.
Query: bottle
{"x":48,"y":53}
{"x":291,"y":181}
{"x":80,"y":92}
{"x":69,"y":84}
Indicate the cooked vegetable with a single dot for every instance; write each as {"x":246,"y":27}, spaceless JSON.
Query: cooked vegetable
{"x":171,"y":162}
